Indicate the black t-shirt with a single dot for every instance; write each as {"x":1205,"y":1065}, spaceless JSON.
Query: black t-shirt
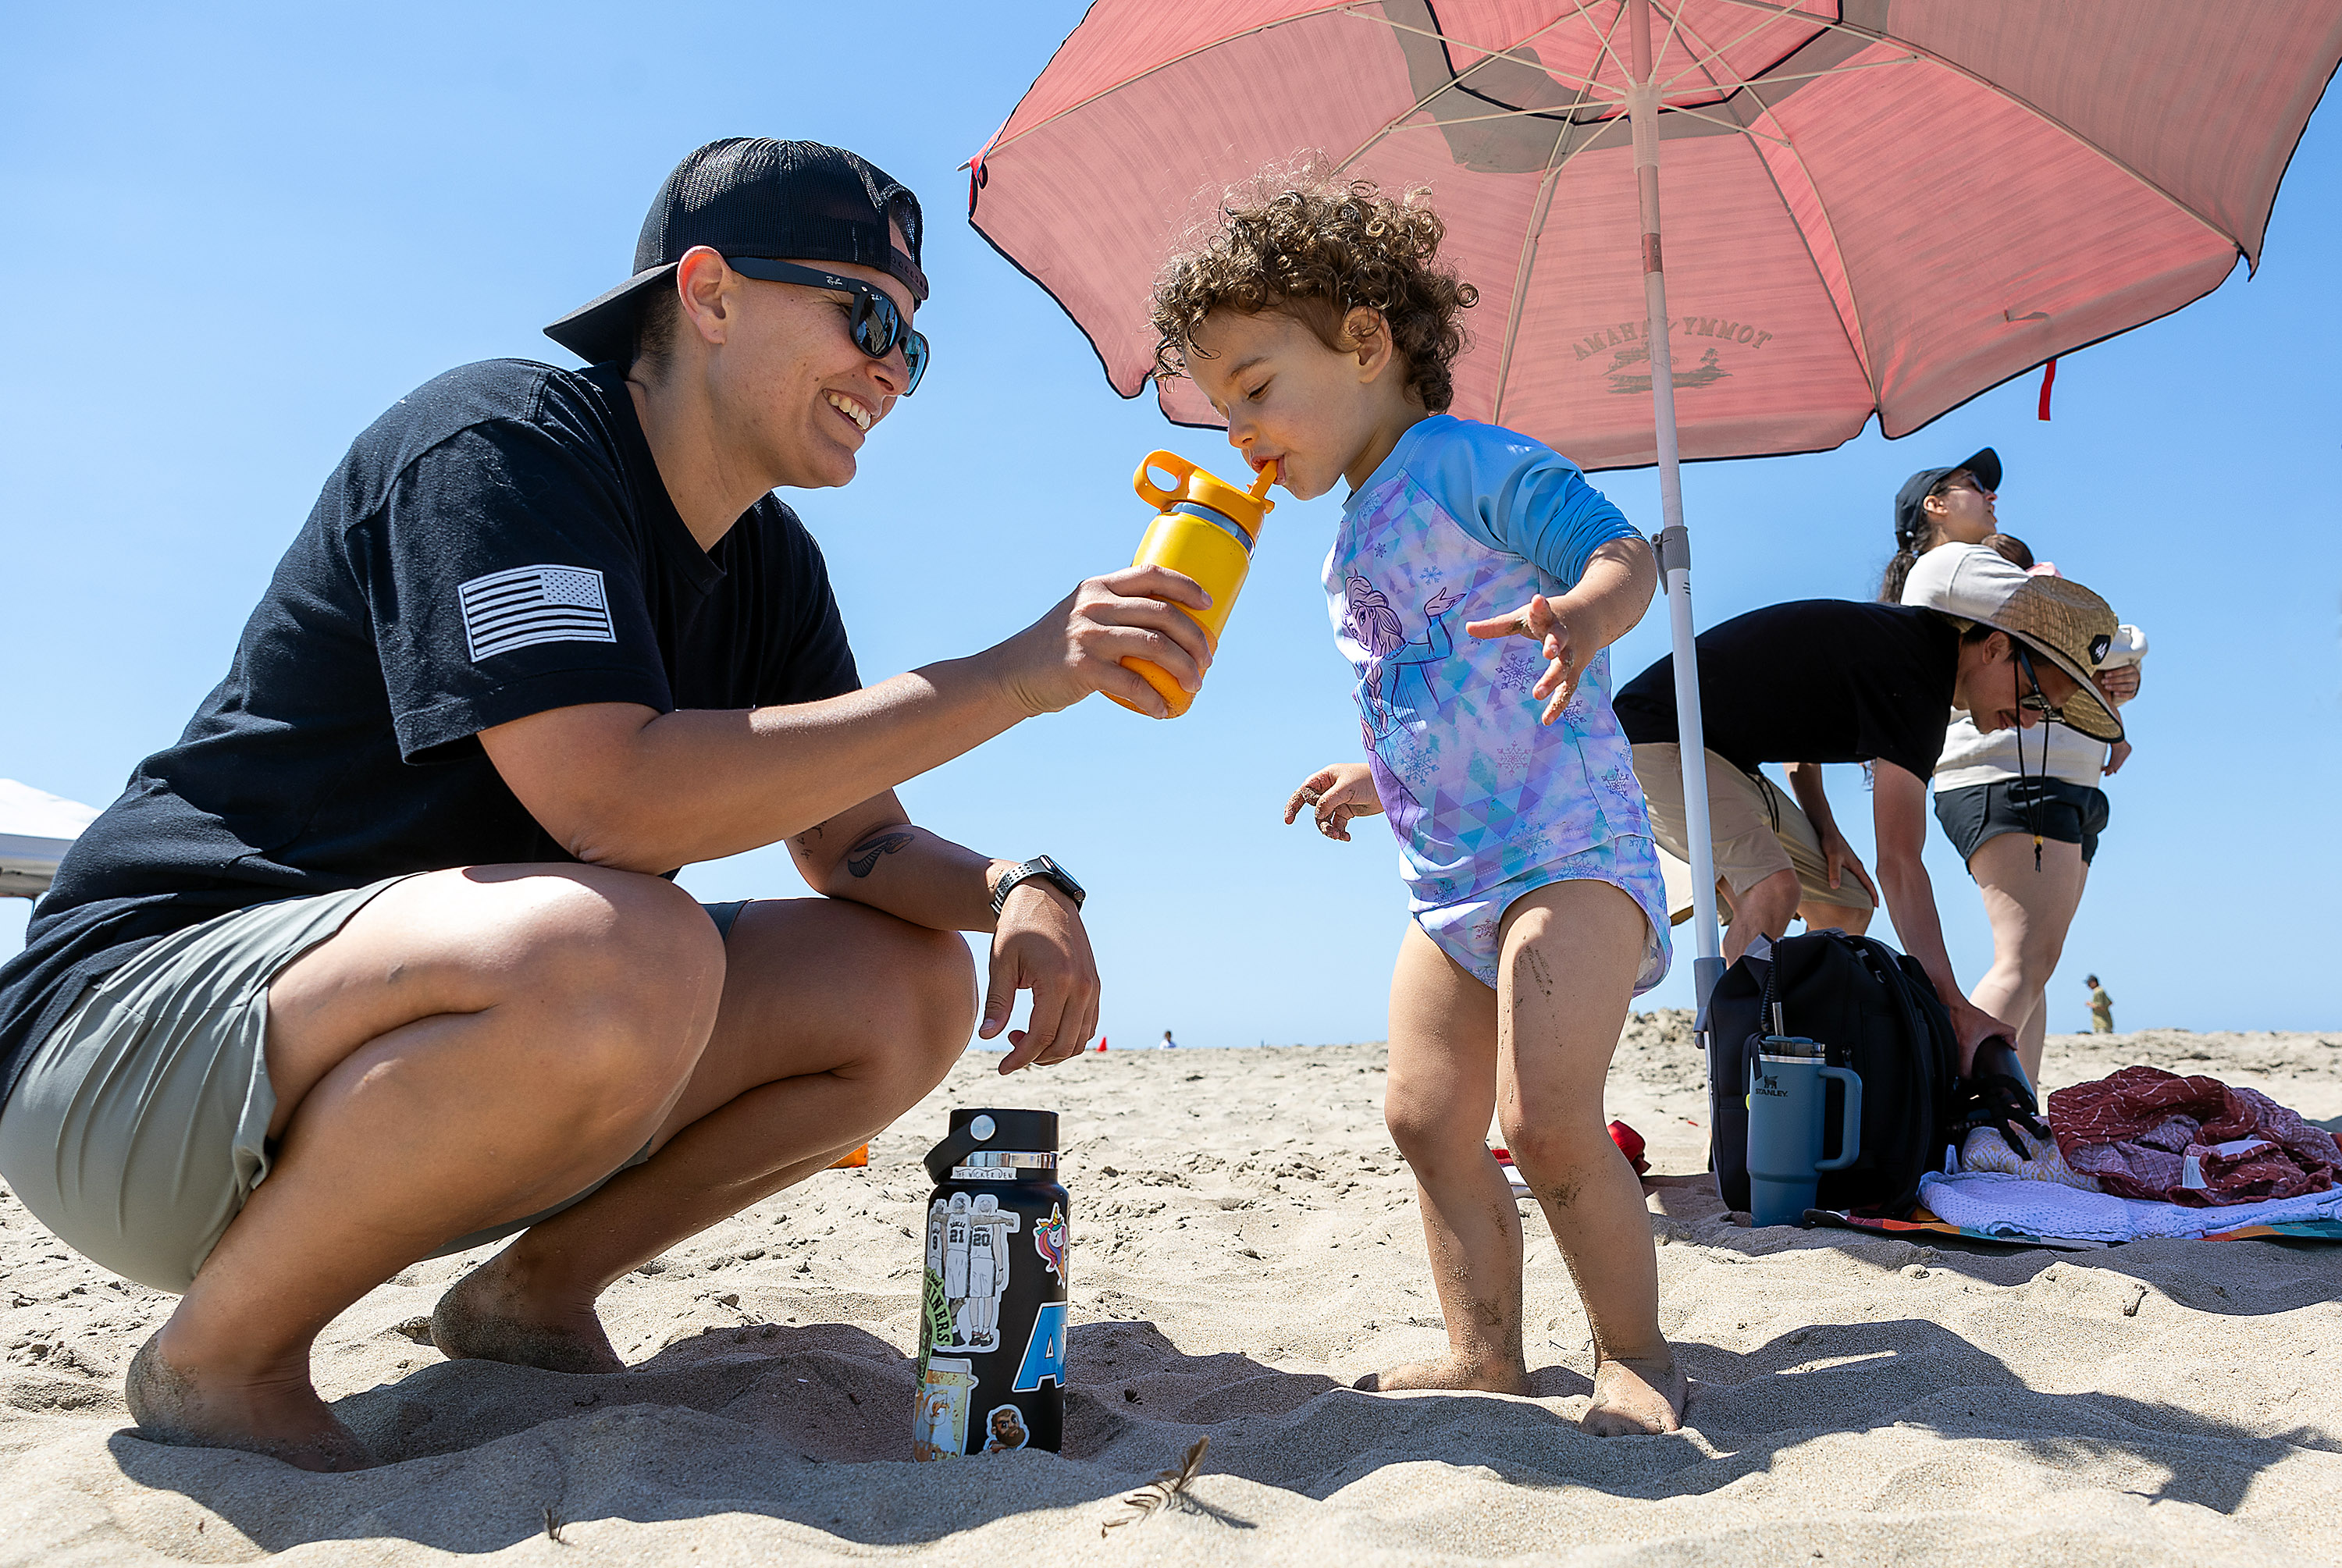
{"x":1813,"y":681}
{"x":497,"y":545}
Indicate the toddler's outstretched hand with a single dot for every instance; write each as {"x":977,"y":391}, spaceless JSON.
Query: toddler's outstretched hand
{"x":1537,"y":623}
{"x":1336,"y":793}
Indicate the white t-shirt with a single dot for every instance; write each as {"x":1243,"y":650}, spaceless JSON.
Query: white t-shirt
{"x":1971,"y":757}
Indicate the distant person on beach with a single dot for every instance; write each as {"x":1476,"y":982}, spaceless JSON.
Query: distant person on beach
{"x":1169,"y":1044}
{"x":381,"y":962}
{"x":1318,"y":321}
{"x":2101,"y":1007}
{"x":2024,"y":811}
{"x":1831,"y":681}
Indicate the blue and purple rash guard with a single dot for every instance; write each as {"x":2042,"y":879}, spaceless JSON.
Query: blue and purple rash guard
{"x":1462,"y":521}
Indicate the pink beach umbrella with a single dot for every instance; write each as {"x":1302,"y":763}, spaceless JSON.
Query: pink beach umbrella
{"x":1873,"y":206}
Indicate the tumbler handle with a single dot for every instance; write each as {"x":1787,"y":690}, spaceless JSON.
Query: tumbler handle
{"x":957,"y":1147}
{"x":1850,"y":1128}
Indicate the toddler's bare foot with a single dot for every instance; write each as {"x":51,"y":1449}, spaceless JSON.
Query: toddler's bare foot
{"x":1448,"y":1371}
{"x":277,"y":1414}
{"x":1635,"y":1396}
{"x":487,"y":1316}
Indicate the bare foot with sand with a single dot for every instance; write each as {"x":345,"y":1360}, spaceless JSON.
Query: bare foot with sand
{"x":1450,"y":1372}
{"x":278,"y":1415}
{"x":487,"y":1315}
{"x":1636,"y":1396}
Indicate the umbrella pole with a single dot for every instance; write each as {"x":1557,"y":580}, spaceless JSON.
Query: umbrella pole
{"x":1674,"y":540}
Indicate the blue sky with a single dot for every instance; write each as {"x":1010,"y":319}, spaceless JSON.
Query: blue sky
{"x":239,"y":235}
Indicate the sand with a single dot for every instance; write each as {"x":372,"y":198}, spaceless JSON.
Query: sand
{"x":1245,"y":1243}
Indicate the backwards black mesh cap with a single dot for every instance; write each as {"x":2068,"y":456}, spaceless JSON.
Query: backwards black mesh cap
{"x":1910,"y":515}
{"x":753,"y":196}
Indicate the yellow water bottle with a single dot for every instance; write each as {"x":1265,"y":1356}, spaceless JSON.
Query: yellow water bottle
{"x":1205,"y":529}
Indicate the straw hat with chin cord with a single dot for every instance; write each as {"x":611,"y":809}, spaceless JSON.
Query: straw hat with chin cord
{"x":2055,"y":618}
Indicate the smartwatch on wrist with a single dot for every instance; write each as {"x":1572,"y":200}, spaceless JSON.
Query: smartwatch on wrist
{"x":1045,"y":869}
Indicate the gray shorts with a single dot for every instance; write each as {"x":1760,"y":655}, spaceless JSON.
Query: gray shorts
{"x":140,"y":1126}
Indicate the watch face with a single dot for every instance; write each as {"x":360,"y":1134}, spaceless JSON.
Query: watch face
{"x":1059,"y":875}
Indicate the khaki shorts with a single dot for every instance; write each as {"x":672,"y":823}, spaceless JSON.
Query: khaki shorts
{"x":139,"y":1128}
{"x":1755,"y":828}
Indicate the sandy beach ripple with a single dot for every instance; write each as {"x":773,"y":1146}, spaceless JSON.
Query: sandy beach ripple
{"x":1244,"y":1245}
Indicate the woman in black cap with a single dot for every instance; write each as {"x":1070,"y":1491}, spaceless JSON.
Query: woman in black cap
{"x":1938,"y":506}
{"x":2023,"y":808}
{"x":381,"y":961}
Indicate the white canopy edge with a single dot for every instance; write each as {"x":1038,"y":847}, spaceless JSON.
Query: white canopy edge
{"x":36,"y":828}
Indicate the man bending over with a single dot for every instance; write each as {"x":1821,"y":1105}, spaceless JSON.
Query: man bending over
{"x":1831,"y":681}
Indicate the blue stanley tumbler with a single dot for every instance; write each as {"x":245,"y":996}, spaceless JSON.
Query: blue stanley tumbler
{"x":1785,"y":1092}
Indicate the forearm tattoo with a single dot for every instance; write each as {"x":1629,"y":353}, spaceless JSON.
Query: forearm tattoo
{"x":863,"y":858}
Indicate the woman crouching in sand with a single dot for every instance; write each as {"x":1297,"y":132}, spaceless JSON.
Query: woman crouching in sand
{"x":1318,"y":322}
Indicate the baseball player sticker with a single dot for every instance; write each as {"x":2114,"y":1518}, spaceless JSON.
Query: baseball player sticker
{"x":1049,"y":1241}
{"x":1005,"y":1430}
{"x":939,"y":1427}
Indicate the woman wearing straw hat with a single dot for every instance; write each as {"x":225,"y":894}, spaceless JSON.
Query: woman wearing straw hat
{"x":2025,"y":811}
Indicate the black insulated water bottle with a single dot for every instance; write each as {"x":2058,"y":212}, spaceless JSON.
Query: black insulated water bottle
{"x":992,"y":1315}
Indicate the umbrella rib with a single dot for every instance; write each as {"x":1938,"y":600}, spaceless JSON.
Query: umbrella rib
{"x":1501,"y":115}
{"x":1675,"y":21}
{"x":1998,"y":91}
{"x":1163,"y":65}
{"x":1505,"y":54}
{"x":1740,"y":84}
{"x":1857,"y":335}
{"x":1577,"y":8}
{"x":1535,"y":233}
{"x":1514,"y":307}
{"x":1453,"y":82}
{"x":1727,"y":125}
{"x":1697,"y":63}
{"x":1737,"y":84}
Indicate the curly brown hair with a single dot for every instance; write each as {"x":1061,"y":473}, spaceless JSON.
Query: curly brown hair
{"x":1316,"y":249}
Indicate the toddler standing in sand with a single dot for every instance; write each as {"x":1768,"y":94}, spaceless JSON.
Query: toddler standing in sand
{"x":1317,"y":321}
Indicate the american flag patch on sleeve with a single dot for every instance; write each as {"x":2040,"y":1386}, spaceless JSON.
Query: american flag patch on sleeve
{"x":530,"y":604}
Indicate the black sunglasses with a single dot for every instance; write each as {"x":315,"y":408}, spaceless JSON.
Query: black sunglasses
{"x":877,"y":324}
{"x":2038,"y":701}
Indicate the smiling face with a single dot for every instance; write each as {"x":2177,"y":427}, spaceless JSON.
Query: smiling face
{"x":1992,"y":686}
{"x":1321,"y":413}
{"x":792,"y":396}
{"x":1961,"y":514}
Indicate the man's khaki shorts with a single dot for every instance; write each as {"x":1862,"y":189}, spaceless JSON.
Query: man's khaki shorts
{"x":139,"y":1128}
{"x":1755,"y":828}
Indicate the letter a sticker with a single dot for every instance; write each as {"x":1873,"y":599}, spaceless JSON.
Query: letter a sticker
{"x":1045,"y":1353}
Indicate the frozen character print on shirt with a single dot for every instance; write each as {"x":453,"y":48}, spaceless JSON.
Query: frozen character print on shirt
{"x":1486,"y":802}
{"x":1396,"y":681}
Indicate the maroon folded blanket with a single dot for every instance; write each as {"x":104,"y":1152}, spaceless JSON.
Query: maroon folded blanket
{"x":2146,"y":1134}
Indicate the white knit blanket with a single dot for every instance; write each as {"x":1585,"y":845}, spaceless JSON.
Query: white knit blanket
{"x":2000,"y":1204}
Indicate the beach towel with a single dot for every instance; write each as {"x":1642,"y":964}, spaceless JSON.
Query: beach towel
{"x":1996,"y":1204}
{"x":1986,"y":1149}
{"x":2150,"y":1134}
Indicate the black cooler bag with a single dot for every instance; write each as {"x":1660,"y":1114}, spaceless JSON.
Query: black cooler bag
{"x":1874,"y":1011}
